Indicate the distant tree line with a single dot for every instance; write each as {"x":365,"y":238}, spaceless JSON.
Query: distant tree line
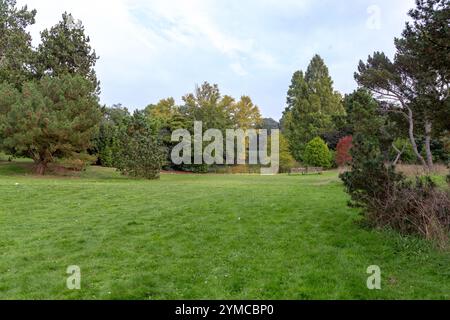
{"x":49,"y":103}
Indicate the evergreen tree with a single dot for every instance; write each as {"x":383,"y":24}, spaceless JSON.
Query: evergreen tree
{"x":312,"y":105}
{"x":416,"y":83}
{"x":140,"y":154}
{"x":65,"y":49}
{"x":16,"y":54}
{"x":51,"y":118}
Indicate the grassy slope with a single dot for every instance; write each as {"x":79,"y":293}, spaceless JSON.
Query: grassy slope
{"x":201,"y":237}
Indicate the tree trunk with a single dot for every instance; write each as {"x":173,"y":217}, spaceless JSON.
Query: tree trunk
{"x":413,"y":139}
{"x":40,"y":168}
{"x":399,"y":154}
{"x":428,"y":129}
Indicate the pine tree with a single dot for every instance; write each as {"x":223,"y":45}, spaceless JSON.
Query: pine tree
{"x":16,"y":54}
{"x":54,"y":117}
{"x":416,"y":83}
{"x":312,"y":105}
{"x":66,"y":49}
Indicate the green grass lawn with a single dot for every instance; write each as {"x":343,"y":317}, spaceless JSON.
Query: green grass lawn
{"x":201,"y":237}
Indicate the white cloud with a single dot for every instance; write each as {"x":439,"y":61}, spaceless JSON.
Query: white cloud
{"x":238,"y":69}
{"x":151,"y":49}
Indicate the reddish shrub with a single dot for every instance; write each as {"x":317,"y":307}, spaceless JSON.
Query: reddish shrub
{"x":343,"y":156}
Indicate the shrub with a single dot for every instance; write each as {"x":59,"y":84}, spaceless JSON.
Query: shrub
{"x":200,"y":168}
{"x":317,"y":154}
{"x":139,"y":153}
{"x":414,"y":208}
{"x":343,"y":156}
{"x":140,"y":156}
{"x":388,"y":199}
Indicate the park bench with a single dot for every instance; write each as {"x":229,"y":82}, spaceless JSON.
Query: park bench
{"x":306,"y":170}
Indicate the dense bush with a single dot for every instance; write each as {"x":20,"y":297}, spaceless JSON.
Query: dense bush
{"x":390,"y":200}
{"x":140,"y":156}
{"x":317,"y":154}
{"x":343,"y":156}
{"x":415,"y":208}
{"x":139,"y":153}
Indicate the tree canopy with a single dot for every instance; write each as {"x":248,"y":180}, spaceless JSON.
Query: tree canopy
{"x":52,"y":117}
{"x":66,"y":49}
{"x":16,"y":54}
{"x":312,"y":104}
{"x":416,"y":83}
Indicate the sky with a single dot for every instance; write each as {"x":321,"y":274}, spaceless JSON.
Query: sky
{"x":154,"y":49}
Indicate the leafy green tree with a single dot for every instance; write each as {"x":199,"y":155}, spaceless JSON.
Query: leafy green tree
{"x":105,"y":143}
{"x":312,"y":105}
{"x":54,"y":117}
{"x":162,"y":113}
{"x":165,"y":117}
{"x":16,"y":54}
{"x":317,"y":154}
{"x":140,"y":154}
{"x":66,"y":49}
{"x":207,"y":104}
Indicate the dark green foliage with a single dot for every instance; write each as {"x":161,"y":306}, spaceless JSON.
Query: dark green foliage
{"x":65,"y":49}
{"x":368,"y":174}
{"x":139,"y":153}
{"x":48,"y":119}
{"x":16,"y":54}
{"x":416,"y":83}
{"x":199,"y":168}
{"x":387,"y":198}
{"x":369,"y":177}
{"x":312,"y":105}
{"x":317,"y":154}
{"x":106,"y":142}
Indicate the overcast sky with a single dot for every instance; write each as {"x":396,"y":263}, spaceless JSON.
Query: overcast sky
{"x":153,"y":49}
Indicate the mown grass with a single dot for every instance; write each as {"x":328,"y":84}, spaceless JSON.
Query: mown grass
{"x":201,"y":237}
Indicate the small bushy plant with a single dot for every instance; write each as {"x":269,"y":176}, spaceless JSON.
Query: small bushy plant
{"x":317,"y":154}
